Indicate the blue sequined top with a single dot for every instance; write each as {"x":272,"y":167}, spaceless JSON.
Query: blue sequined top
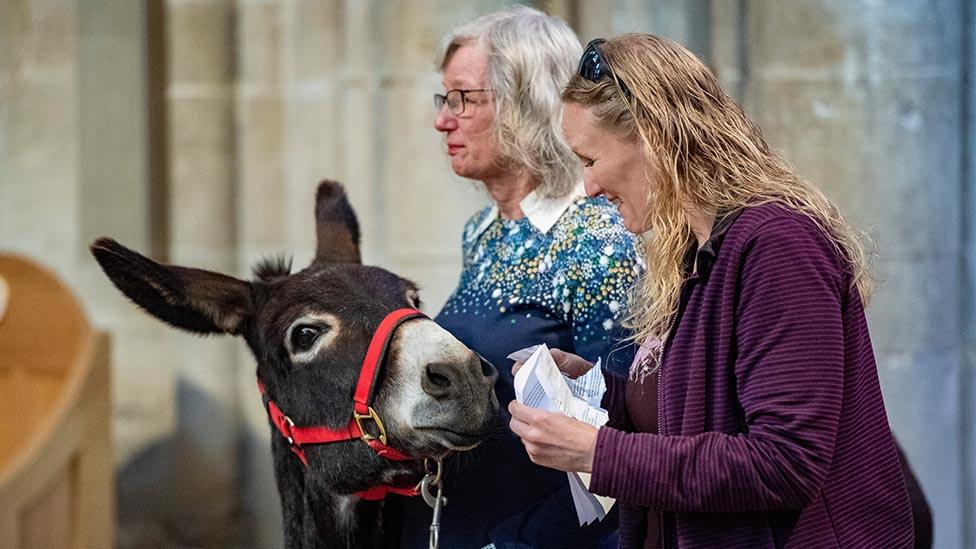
{"x":564,"y":287}
{"x":560,"y":276}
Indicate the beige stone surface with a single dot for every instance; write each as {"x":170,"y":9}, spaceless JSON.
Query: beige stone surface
{"x":904,"y":313}
{"x":113,"y":155}
{"x":260,"y":200}
{"x":200,"y":37}
{"x":49,"y":39}
{"x":202,"y":168}
{"x":258,"y":33}
{"x":38,"y":146}
{"x":803,"y":37}
{"x":316,"y":32}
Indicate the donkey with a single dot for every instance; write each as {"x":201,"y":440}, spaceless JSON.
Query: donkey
{"x":335,"y":338}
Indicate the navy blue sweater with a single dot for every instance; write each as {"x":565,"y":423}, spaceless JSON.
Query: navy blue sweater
{"x":521,"y":286}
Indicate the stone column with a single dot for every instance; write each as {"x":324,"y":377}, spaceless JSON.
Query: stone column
{"x":968,"y":410}
{"x":39,"y":130}
{"x":113,"y":176}
{"x":203,"y":234}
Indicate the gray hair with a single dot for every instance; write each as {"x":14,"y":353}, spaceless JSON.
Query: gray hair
{"x":531,"y":57}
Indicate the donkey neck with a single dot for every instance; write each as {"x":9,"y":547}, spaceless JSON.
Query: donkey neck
{"x":339,"y":520}
{"x":320,"y":518}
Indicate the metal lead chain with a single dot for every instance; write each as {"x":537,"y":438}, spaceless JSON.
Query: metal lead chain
{"x":436,"y":503}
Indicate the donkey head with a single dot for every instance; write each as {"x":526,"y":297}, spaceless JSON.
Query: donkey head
{"x":309,"y":332}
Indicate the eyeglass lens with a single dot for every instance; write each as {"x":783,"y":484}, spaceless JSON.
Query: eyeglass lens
{"x":454,"y":100}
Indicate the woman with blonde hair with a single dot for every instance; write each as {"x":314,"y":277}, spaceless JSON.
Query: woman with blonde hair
{"x":753,"y":415}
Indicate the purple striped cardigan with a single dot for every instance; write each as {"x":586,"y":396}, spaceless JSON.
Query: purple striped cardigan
{"x":773,"y":428}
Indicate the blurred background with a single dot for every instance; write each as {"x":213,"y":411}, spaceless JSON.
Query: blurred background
{"x":197,"y":130}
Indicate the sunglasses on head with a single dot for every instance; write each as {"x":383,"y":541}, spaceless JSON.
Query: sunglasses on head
{"x":593,"y":66}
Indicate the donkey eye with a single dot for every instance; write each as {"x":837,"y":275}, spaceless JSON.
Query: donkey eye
{"x":308,"y":334}
{"x":304,"y":336}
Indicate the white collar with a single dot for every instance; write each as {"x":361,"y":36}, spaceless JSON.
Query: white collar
{"x":542,"y":211}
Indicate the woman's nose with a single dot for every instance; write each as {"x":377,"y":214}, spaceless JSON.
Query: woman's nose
{"x":445,"y":120}
{"x":590,"y":187}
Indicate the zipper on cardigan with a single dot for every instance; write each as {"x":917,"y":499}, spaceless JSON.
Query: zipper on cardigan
{"x":660,"y":368}
{"x":660,"y":414}
{"x":683,"y":299}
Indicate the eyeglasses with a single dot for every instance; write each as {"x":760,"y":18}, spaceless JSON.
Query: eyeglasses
{"x":593,"y":66}
{"x":455,"y":100}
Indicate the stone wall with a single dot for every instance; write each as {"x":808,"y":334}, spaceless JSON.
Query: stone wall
{"x":263,"y":98}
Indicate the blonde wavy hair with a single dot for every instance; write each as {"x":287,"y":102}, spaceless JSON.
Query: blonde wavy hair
{"x":531,"y":56}
{"x":706,"y":154}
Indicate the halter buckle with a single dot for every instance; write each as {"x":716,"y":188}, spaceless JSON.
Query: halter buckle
{"x":365,"y":436}
{"x":291,"y":425}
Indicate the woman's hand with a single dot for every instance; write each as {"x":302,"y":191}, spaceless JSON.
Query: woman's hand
{"x":554,"y":440}
{"x":569,"y":364}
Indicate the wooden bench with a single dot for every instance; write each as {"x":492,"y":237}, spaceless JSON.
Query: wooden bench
{"x":56,"y":473}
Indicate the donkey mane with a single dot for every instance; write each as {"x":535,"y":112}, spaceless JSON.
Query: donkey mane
{"x":270,"y":269}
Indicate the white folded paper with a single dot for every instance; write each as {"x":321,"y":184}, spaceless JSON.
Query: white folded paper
{"x":540,"y":384}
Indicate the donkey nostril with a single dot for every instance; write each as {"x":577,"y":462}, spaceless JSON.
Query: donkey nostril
{"x":487,"y":369}
{"x":437,"y":378}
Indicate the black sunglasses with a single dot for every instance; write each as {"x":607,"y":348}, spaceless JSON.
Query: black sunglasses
{"x":593,"y":66}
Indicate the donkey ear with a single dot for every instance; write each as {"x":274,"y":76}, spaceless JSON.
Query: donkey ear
{"x":336,"y":226}
{"x":192,"y":299}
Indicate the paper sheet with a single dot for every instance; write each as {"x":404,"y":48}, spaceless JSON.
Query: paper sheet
{"x":590,"y":386}
{"x":540,"y":384}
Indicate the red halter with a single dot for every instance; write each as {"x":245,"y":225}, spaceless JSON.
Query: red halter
{"x":299,"y":437}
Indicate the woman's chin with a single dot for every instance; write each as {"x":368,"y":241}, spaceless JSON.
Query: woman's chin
{"x":461,"y":169}
{"x":631,"y":224}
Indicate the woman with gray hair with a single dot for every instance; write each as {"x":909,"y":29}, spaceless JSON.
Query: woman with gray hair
{"x":541,"y":264}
